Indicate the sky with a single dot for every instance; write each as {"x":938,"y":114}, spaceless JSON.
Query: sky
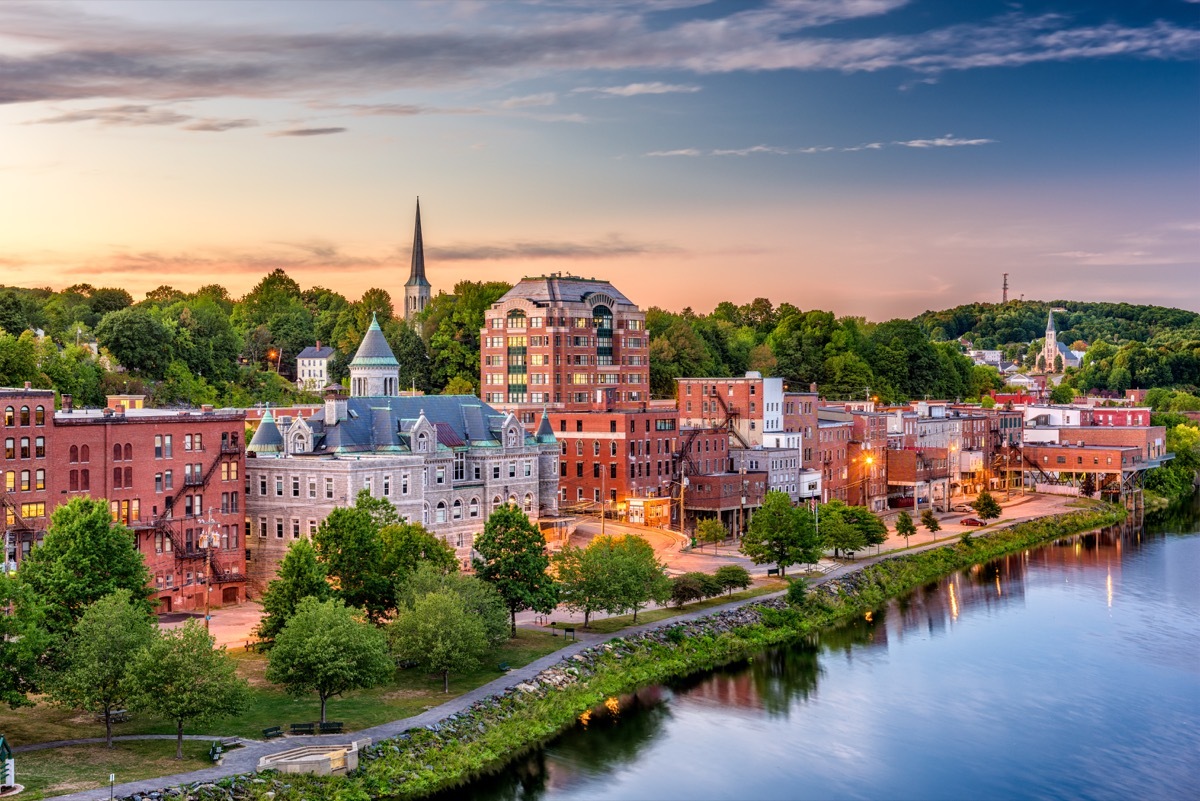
{"x":870,"y":157}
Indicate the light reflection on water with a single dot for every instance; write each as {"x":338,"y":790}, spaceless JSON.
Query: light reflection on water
{"x":1071,"y":671}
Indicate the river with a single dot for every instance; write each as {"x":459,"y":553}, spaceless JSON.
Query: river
{"x":1071,"y":671}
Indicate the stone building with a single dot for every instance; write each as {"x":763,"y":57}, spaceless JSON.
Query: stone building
{"x":443,"y":461}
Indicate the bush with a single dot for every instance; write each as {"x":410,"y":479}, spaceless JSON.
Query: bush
{"x":797,"y":591}
{"x":685,"y":589}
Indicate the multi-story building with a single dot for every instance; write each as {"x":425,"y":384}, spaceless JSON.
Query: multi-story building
{"x":833,"y":454}
{"x":748,"y":406}
{"x":312,"y":367}
{"x":445,"y":461}
{"x":566,"y":343}
{"x":175,"y":478}
{"x":28,"y":496}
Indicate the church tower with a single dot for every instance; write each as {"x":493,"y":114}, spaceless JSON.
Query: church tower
{"x":374,"y":371}
{"x":416,"y":289}
{"x":1050,"y":349}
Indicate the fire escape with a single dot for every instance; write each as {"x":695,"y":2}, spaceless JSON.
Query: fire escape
{"x":16,"y":525}
{"x":220,"y":568}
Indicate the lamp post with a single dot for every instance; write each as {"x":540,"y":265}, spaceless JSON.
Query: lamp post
{"x":210,"y":539}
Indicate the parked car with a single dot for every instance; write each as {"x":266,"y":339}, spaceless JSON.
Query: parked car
{"x":972,"y":521}
{"x":962,"y":507}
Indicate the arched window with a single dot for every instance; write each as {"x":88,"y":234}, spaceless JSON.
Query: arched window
{"x":528,"y":502}
{"x":10,"y":416}
{"x":116,"y":453}
{"x":85,"y":454}
{"x":425,"y":514}
{"x":128,"y":452}
{"x":495,"y":503}
{"x":24,"y":415}
{"x":422,"y":442}
{"x":612,"y":448}
{"x":516,"y":319}
{"x":39,"y":416}
{"x":441,"y":512}
{"x":595,"y":447}
{"x":512,"y":500}
{"x":456,"y":510}
{"x":74,"y":454}
{"x":473,"y":508}
{"x":579,"y":447}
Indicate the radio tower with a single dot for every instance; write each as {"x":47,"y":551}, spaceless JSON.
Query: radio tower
{"x":1005,"y":300}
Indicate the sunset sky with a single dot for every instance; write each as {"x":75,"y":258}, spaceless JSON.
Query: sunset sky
{"x":871,"y":157}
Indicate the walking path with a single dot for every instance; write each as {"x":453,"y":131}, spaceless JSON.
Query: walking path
{"x":245,"y":759}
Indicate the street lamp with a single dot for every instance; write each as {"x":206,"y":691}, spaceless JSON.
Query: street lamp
{"x":210,"y":539}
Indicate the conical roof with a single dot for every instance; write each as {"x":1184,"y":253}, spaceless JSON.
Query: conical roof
{"x":1050,"y":323}
{"x":267,"y":438}
{"x":374,"y":350}
{"x":545,"y":432}
{"x":416,"y":275}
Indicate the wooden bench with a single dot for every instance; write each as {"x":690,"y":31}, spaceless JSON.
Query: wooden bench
{"x":772,"y":571}
{"x":116,"y":716}
{"x":272,"y":733}
{"x":569,"y":630}
{"x":303,"y":728}
{"x":215,"y":751}
{"x":330,"y":727}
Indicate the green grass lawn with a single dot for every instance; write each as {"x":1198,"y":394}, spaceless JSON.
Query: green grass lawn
{"x":409,"y":694}
{"x":611,"y":625}
{"x":55,"y":771}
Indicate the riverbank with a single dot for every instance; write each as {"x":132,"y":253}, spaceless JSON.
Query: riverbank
{"x":492,"y":730}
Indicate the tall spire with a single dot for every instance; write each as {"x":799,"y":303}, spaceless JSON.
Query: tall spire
{"x":416,"y":276}
{"x":1050,"y":323}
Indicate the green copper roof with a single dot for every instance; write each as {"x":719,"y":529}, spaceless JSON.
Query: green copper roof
{"x":267,"y":438}
{"x":374,"y":350}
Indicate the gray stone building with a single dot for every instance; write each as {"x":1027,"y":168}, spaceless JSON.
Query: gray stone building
{"x":445,"y":461}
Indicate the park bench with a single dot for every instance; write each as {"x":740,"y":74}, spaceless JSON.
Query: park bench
{"x":772,"y":571}
{"x":503,"y":667}
{"x":569,"y":630}
{"x":330,"y":727}
{"x":116,"y":716}
{"x":272,"y":733}
{"x":215,"y":751}
{"x":303,"y":728}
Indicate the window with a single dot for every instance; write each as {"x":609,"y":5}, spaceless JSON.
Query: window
{"x":10,"y":416}
{"x":278,"y":528}
{"x":295,"y":486}
{"x":456,"y":510}
{"x":329,"y":489}
{"x":187,"y":442}
{"x":262,"y":526}
{"x":387,"y":486}
{"x":441,"y":475}
{"x":73,"y":484}
{"x":528,"y":502}
{"x":85,"y":454}
{"x":10,"y":448}
{"x":279,"y":486}
{"x":24,"y":447}
{"x":473,"y":507}
{"x":74,"y":457}
{"x":25,"y":481}
{"x":24,"y":415}
{"x":441,"y":512}
{"x":404,"y":483}
{"x":312,"y":487}
{"x":295,"y":529}
{"x":495,"y":471}
{"x":85,"y":480}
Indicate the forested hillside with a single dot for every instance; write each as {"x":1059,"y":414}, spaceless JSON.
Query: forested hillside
{"x":206,"y":347}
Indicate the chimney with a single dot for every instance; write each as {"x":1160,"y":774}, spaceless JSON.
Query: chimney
{"x":28,"y":385}
{"x":68,"y":404}
{"x":119,"y":409}
{"x":812,"y":387}
{"x":206,"y":408}
{"x":318,"y":344}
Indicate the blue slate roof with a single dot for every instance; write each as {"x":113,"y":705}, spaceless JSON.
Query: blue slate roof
{"x":323,"y":352}
{"x":384,"y":424}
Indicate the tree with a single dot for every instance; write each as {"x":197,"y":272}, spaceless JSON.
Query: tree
{"x":409,"y":545}
{"x":985,"y":506}
{"x":458,"y":385}
{"x":781,"y":534}
{"x":711,"y":530}
{"x":930,"y":522}
{"x":300,"y":576}
{"x":440,"y":635}
{"x":1088,"y":488}
{"x":349,"y":545}
{"x":638,"y":577}
{"x":513,"y":559}
{"x":685,"y":589}
{"x":181,"y":677}
{"x":137,"y":339}
{"x":709,"y":586}
{"x":479,"y":598}
{"x":905,"y":526}
{"x":23,"y":641}
{"x":583,"y":576}
{"x":84,"y":557}
{"x":732,"y":577}
{"x":324,"y":649}
{"x":839,"y":533}
{"x":873,"y":530}
{"x":97,"y":656}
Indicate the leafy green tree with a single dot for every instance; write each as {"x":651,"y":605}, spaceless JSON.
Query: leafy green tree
{"x":709,"y":585}
{"x":930,"y":522}
{"x":985,"y":506}
{"x":413,"y":356}
{"x":409,"y":545}
{"x":873,"y":530}
{"x":23,"y":641}
{"x":349,"y":545}
{"x":457,"y":385}
{"x":324,"y":649}
{"x":905,"y":526}
{"x":711,"y":530}
{"x":584,"y":577}
{"x":479,"y":598}
{"x":440,"y":635}
{"x":300,"y":576}
{"x":451,"y":325}
{"x":84,"y":557}
{"x":137,"y":339}
{"x":97,"y":656}
{"x":181,"y":677}
{"x":732,"y":577}
{"x":782,"y":534}
{"x":638,"y":577}
{"x":18,"y":359}
{"x":840,"y":533}
{"x":685,"y":589}
{"x":513,"y":559}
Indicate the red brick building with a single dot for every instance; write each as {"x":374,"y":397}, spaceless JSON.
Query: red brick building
{"x":833,"y":457}
{"x":176,"y":478}
{"x":28,"y":497}
{"x":800,"y":417}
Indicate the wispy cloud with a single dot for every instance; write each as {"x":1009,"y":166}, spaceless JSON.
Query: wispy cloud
{"x":634,"y":89}
{"x":391,"y":109}
{"x":59,"y":56}
{"x":608,"y":247}
{"x":309,"y":131}
{"x":138,"y":115}
{"x":949,"y":140}
{"x":543,"y":99}
{"x":220,"y":125}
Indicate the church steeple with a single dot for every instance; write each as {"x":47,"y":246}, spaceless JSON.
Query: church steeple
{"x":416,"y":289}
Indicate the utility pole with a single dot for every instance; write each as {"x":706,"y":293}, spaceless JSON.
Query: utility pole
{"x":1005,"y":296}
{"x":603,"y":499}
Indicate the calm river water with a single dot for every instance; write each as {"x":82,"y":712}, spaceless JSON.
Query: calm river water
{"x":1071,"y":671}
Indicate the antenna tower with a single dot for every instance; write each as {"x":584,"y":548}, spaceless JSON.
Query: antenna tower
{"x":1005,"y":300}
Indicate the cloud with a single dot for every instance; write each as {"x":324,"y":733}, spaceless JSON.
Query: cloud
{"x":57,"y":56}
{"x":949,"y":140}
{"x":391,"y":109}
{"x":309,"y":131}
{"x":543,"y":99}
{"x":634,"y":89}
{"x":136,"y":115}
{"x":609,"y":247}
{"x":220,"y":125}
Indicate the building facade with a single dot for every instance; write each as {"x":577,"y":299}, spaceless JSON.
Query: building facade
{"x":28,"y":496}
{"x":312,"y":367}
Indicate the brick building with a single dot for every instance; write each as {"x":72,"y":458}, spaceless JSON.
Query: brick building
{"x":919,"y":477}
{"x":832,"y":452}
{"x":556,"y":340}
{"x":175,"y":478}
{"x":748,"y":406}
{"x":28,"y":496}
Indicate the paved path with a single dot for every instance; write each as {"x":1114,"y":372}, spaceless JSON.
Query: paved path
{"x":245,"y":759}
